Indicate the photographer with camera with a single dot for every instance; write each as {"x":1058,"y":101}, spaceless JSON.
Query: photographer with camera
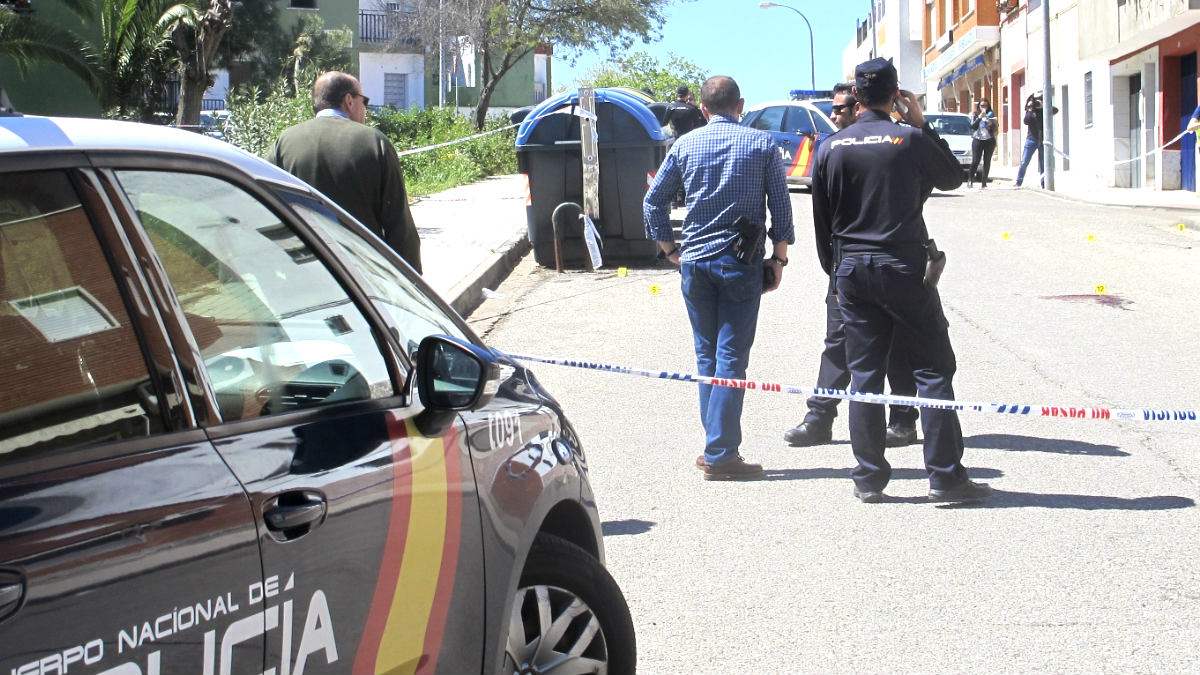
{"x":1033,"y":137}
{"x":728,"y":172}
{"x":870,"y":183}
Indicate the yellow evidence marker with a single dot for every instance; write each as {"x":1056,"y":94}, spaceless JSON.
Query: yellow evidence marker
{"x":1006,"y":236}
{"x":1100,"y":289}
{"x":654,"y":289}
{"x":622,"y":271}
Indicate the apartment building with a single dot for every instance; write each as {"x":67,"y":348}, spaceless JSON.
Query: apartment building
{"x":893,"y":30}
{"x":1143,"y":83}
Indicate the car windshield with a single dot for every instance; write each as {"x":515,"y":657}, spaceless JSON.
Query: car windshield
{"x":958,"y":125}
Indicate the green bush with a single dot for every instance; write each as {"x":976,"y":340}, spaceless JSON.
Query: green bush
{"x":258,"y":119}
{"x":438,"y":169}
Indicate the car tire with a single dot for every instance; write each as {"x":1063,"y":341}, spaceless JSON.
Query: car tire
{"x":567,"y":595}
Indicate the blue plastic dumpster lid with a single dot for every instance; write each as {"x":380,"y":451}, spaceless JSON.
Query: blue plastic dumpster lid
{"x":623,"y":100}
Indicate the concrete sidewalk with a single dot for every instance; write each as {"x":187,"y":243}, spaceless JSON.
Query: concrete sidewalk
{"x":472,"y":236}
{"x":1078,"y":186}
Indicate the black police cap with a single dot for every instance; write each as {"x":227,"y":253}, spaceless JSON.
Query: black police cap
{"x":875,"y":75}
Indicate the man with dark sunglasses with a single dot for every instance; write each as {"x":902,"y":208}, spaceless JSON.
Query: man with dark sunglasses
{"x":353,"y":164}
{"x":817,"y":426}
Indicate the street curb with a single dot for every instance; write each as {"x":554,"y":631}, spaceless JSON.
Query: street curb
{"x":1067,"y":197}
{"x":467,"y":294}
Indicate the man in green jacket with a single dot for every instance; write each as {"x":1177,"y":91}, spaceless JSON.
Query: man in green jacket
{"x":351,"y":163}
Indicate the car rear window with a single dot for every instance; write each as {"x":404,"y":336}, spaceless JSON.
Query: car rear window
{"x":73,"y":373}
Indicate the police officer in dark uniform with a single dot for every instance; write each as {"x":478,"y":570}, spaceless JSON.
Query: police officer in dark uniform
{"x":682,"y":116}
{"x":870,"y":184}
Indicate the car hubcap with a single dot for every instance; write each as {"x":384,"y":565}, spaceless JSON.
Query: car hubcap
{"x":552,"y":631}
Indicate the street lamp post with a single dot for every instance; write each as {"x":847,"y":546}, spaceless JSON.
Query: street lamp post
{"x":811,"y":54}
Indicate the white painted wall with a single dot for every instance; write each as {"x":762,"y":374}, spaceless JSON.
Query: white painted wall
{"x":373,"y":65}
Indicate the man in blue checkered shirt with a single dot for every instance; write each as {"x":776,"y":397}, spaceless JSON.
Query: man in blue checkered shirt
{"x":727,"y":171}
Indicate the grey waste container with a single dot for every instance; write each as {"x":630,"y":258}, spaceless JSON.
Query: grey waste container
{"x":632,"y":145}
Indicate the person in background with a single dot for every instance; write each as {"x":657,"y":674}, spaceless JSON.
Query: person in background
{"x":353,"y":164}
{"x":817,"y":426}
{"x":682,"y":115}
{"x":983,"y":141}
{"x":730,"y":174}
{"x":1033,"y":137}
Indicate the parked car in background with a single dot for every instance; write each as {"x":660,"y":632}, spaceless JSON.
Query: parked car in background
{"x":214,"y":123}
{"x":955,"y":128}
{"x":798,"y":128}
{"x":238,"y":433}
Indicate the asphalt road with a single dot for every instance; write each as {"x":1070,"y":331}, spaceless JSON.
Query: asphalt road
{"x":1084,"y":561}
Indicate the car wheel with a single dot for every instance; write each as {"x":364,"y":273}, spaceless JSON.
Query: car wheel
{"x":568,"y":616}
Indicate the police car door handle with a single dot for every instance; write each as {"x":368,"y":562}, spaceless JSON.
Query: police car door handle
{"x":10,"y":597}
{"x":294,"y":510}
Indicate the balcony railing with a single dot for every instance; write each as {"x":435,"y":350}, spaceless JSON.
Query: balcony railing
{"x":379,"y":27}
{"x":373,"y":26}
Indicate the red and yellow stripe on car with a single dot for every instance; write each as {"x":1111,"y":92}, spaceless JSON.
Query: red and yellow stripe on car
{"x":801,"y":166}
{"x":407,"y":619}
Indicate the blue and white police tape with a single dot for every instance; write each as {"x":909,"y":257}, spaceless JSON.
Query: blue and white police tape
{"x":1074,"y":412}
{"x":455,"y":141}
{"x":574,"y":111}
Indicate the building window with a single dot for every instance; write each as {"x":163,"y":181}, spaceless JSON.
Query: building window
{"x":930,"y":30}
{"x":302,"y":4}
{"x":1087,"y":99}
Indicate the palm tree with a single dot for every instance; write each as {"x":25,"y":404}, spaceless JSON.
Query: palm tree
{"x":28,"y":40}
{"x":134,"y":56}
{"x":195,"y":28}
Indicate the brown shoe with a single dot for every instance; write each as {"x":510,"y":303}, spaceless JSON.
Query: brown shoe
{"x":701,"y":462}
{"x":734,"y":469}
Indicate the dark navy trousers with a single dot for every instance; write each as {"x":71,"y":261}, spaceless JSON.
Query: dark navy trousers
{"x":884,"y":302}
{"x":835,"y":375}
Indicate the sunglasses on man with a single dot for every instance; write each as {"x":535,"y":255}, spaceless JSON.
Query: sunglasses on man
{"x":837,"y":109}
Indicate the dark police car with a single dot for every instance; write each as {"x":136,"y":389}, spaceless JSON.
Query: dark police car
{"x":798,"y":128}
{"x":239,"y":435}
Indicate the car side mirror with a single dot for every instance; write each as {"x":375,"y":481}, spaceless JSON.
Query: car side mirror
{"x":452,"y":375}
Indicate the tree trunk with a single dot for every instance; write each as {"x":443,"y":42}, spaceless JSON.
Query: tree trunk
{"x":197,"y":46}
{"x":485,"y":97}
{"x":493,"y":79}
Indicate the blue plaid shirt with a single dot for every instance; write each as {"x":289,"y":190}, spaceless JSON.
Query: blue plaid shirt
{"x":725,"y":170}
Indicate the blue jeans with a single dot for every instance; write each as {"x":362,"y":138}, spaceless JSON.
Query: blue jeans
{"x":722,"y":297}
{"x":1031,"y":144}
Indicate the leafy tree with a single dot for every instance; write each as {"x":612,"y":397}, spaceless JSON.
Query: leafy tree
{"x":195,"y":31}
{"x":28,"y":40}
{"x":254,"y":48}
{"x":506,"y":31}
{"x":640,"y":70}
{"x":317,"y":50}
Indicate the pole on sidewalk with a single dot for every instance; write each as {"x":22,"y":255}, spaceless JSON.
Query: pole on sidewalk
{"x":1047,"y":101}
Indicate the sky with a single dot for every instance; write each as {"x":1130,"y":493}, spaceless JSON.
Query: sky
{"x":766,"y":51}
